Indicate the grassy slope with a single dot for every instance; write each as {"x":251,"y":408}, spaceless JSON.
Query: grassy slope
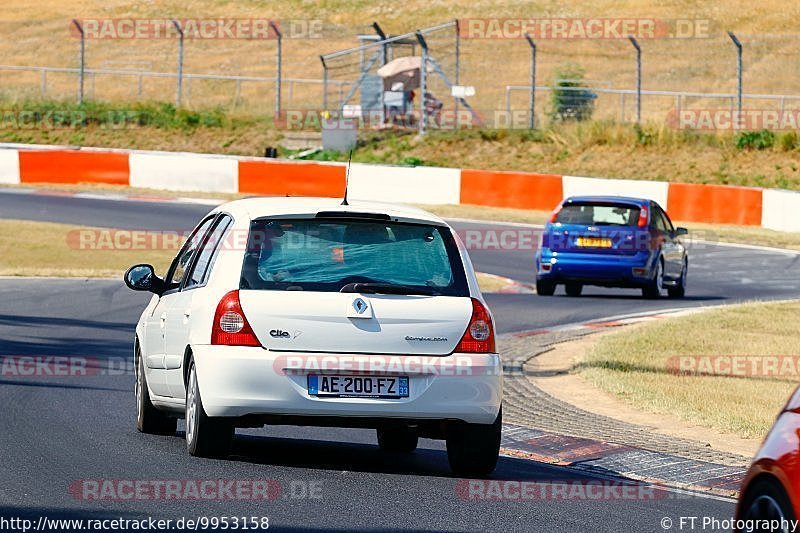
{"x":597,"y":149}
{"x":41,"y":36}
{"x":632,"y":365}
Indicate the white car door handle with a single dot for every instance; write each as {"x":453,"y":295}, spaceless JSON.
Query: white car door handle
{"x":163,"y":319}
{"x":186,"y":315}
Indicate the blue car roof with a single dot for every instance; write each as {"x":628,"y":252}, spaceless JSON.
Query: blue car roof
{"x":623,"y":199}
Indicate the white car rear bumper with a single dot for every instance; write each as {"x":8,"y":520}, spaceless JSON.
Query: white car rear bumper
{"x":237,"y":381}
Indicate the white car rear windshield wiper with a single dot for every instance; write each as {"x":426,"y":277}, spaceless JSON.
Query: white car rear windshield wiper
{"x":387,"y":288}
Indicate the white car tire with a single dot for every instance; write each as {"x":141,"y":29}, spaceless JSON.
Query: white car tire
{"x":148,"y":418}
{"x":473,"y":449}
{"x":205,"y":436}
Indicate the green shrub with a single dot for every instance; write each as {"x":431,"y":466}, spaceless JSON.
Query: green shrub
{"x":570,"y":99}
{"x":493,"y":135}
{"x":411,"y":161}
{"x":788,"y":141}
{"x":643,"y":137}
{"x":755,"y":140}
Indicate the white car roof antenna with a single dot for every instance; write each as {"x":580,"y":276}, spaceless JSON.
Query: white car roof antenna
{"x":347,"y":178}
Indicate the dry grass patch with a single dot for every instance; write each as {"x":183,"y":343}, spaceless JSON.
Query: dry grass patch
{"x":490,"y":282}
{"x":47,"y":249}
{"x":635,"y":364}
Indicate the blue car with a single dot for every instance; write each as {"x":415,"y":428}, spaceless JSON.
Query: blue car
{"x":611,"y":241}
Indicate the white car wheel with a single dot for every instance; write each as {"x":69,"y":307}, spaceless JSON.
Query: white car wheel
{"x":148,"y":418}
{"x":205,"y":436}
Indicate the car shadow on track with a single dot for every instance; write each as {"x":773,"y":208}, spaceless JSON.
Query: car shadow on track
{"x":638,"y":297}
{"x":366,"y":458}
{"x":58,"y":385}
{"x":49,"y":321}
{"x":95,"y":350}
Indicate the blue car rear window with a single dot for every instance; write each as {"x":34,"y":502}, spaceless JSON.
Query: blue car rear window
{"x":598,"y":214}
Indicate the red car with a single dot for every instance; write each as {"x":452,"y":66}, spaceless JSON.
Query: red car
{"x":771,"y":487}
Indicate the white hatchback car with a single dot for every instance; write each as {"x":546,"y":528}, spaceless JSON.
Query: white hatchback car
{"x":309,"y":311}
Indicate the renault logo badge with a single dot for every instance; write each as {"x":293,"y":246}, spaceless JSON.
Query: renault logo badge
{"x":359,"y":305}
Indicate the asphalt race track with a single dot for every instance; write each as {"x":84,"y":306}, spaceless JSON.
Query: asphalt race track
{"x":58,"y":431}
{"x":717,"y":274}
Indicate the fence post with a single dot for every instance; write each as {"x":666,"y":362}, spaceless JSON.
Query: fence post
{"x":81,"y":59}
{"x":324,"y":84}
{"x":423,"y":74}
{"x":532,"y":94}
{"x":638,"y":78}
{"x":385,"y":51}
{"x":382,"y":35}
{"x":738,"y":78}
{"x":180,"y":63}
{"x":278,"y":76}
{"x":458,"y":59}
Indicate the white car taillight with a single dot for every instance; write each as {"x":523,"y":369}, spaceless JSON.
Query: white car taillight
{"x":479,"y":337}
{"x":230,"y":326}
{"x":231,"y":322}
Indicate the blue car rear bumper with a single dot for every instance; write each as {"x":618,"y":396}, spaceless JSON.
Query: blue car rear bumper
{"x":595,"y":269}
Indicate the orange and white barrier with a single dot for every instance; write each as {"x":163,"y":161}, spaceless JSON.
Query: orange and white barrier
{"x":9,"y":166}
{"x":183,"y":172}
{"x":780,"y":210}
{"x":386,"y":183}
{"x":718,"y":204}
{"x":652,"y":190}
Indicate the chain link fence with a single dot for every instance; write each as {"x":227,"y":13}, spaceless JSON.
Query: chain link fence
{"x":677,"y":74}
{"x":323,"y":70}
{"x":402,"y":98}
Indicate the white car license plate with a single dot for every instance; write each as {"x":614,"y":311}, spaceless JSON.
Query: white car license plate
{"x":358,"y":386}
